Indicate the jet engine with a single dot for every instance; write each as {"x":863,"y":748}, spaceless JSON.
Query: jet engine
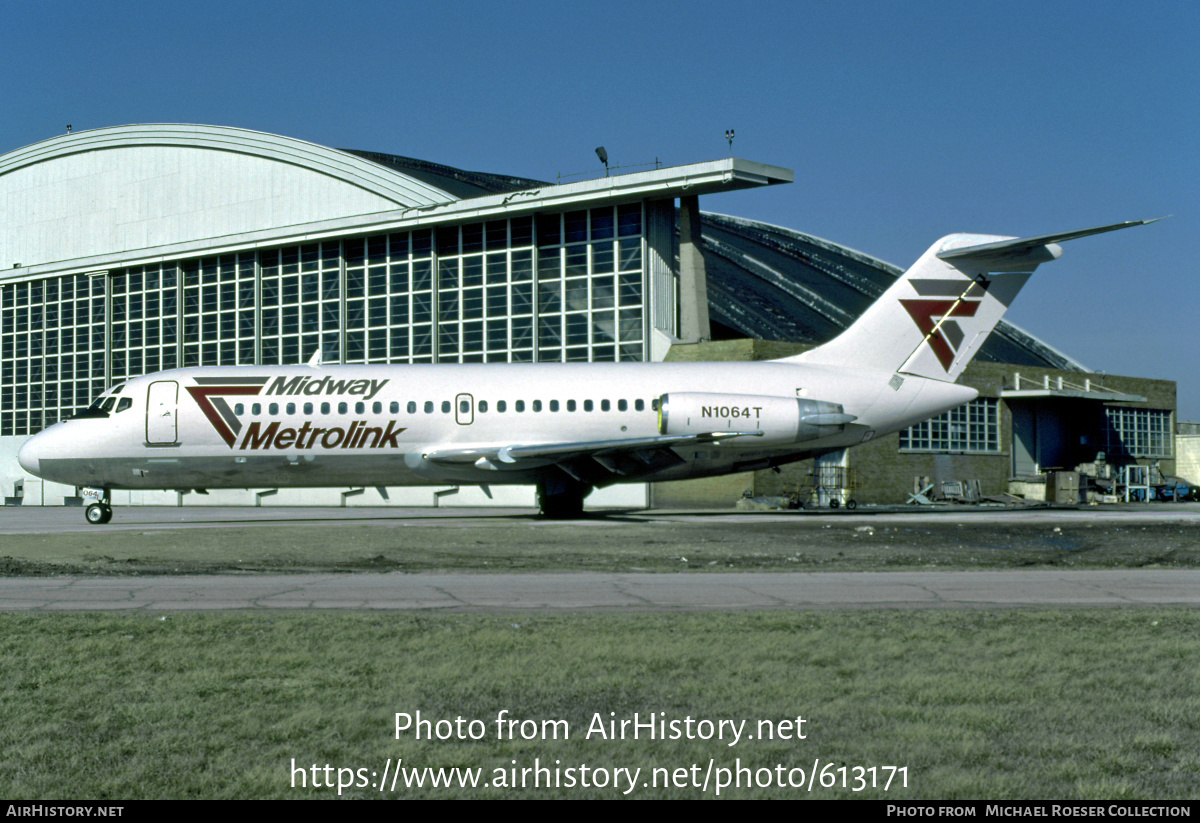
{"x":781,"y":420}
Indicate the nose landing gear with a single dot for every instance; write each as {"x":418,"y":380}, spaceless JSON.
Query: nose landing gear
{"x":100,"y":512}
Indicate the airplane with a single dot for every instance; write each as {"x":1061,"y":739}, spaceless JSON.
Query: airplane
{"x":564,"y":427}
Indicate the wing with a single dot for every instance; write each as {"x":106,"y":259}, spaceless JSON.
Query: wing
{"x":593,"y":461}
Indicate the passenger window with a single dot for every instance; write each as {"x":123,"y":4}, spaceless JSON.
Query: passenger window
{"x":553,"y":405}
{"x":639,"y":405}
{"x":537,"y":405}
{"x":308,"y":407}
{"x":429,"y":407}
{"x":622,"y":405}
{"x":653,"y":404}
{"x":377,"y":408}
{"x":325,"y":408}
{"x":519,"y":405}
{"x":360,"y":408}
{"x":291,"y":408}
{"x":605,"y":405}
{"x":239,"y":409}
{"x":587,"y":405}
{"x":412,"y":407}
{"x":570,"y":405}
{"x":501,"y":406}
{"x":482,"y":406}
{"x":445,"y":407}
{"x":343,"y":408}
{"x":256,"y":409}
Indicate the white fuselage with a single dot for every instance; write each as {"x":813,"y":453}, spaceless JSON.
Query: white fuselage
{"x":290,"y":426}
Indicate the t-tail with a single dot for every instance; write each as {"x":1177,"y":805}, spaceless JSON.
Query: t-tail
{"x":935,"y":318}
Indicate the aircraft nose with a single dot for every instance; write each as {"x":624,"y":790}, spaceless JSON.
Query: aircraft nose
{"x":29,"y":456}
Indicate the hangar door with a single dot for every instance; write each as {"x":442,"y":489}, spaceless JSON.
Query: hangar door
{"x":1039,"y":437}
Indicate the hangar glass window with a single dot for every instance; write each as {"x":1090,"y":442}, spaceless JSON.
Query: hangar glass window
{"x":590,"y":269}
{"x":144,"y":320}
{"x":301,"y":302}
{"x":1137,"y":432}
{"x":219,"y":306}
{"x":484,"y":286}
{"x":52,"y":350}
{"x":971,"y":428}
{"x":389,"y":301}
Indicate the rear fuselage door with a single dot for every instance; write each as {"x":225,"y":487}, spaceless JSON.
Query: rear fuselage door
{"x":162,"y":407}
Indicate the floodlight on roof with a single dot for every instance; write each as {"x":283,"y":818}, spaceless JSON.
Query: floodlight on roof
{"x":603,"y":155}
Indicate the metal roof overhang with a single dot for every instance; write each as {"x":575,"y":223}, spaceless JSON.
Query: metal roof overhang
{"x":729,"y":174}
{"x":1075,"y":394}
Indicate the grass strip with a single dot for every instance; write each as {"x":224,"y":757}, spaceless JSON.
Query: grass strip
{"x":611,"y":544}
{"x":1007,"y":704}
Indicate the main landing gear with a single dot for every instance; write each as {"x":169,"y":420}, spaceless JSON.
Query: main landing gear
{"x":100,"y":512}
{"x":561,"y":498}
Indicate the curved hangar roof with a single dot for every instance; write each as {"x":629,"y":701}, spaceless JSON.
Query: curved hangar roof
{"x":772,"y":283}
{"x":127,"y":188}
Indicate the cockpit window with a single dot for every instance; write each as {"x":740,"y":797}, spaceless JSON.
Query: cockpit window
{"x":97,"y":409}
{"x":106,"y":404}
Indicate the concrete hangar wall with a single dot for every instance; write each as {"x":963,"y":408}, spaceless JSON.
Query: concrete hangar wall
{"x":132,"y":249}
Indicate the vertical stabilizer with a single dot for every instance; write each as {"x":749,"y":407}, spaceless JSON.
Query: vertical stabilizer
{"x":935,"y":318}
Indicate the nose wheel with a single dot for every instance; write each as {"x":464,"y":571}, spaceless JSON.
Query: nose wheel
{"x":99,"y":512}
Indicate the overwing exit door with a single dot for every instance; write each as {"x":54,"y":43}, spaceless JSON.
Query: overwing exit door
{"x":464,"y":409}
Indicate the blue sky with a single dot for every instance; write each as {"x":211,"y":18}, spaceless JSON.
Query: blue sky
{"x":903,"y":121}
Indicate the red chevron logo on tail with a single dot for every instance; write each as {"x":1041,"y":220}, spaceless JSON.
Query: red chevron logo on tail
{"x":942,"y":300}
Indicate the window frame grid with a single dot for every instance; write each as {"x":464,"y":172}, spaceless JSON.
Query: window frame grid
{"x":972,"y":428}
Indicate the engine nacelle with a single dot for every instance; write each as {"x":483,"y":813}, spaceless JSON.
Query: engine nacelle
{"x":782,"y":420}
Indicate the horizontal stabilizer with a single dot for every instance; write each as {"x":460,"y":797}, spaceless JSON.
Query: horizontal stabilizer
{"x":1023,"y":251}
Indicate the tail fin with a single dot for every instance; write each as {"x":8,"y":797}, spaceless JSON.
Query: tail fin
{"x":934,"y":319}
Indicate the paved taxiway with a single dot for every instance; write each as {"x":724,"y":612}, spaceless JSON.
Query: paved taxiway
{"x":59,"y":520}
{"x":589,"y":591}
{"x":597,"y":591}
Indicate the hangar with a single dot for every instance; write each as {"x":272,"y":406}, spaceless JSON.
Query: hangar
{"x":133,"y":249}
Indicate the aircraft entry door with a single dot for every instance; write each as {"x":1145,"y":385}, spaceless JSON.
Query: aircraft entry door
{"x":464,"y":409}
{"x":162,"y":407}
